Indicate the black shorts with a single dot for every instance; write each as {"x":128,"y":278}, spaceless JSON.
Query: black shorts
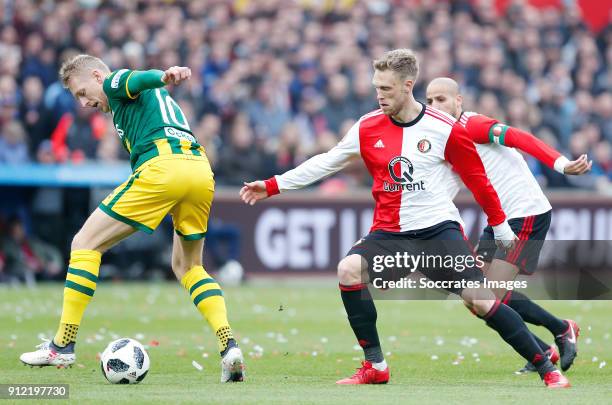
{"x":531,"y":232}
{"x":444,"y":239}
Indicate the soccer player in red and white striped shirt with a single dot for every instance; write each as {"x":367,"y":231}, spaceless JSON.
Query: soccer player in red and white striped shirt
{"x":411,"y":151}
{"x":524,"y":203}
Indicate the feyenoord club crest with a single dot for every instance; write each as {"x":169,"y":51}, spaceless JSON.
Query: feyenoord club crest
{"x":424,"y":146}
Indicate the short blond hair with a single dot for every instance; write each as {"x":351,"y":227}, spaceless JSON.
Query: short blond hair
{"x":77,"y":63}
{"x":401,"y":61}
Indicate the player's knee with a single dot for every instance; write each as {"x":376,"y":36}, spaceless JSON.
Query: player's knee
{"x":349,"y":271}
{"x":80,"y":241}
{"x":482,"y":307}
{"x":478,"y":300}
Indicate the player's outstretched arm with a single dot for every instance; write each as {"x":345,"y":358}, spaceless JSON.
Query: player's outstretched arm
{"x":461,"y":153}
{"x":138,"y":81}
{"x":483,"y":129}
{"x":311,"y":171}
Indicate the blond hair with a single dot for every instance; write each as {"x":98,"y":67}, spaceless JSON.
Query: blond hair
{"x":76,"y":64}
{"x":401,"y":61}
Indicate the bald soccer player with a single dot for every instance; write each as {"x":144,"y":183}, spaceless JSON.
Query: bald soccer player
{"x":528,"y":209}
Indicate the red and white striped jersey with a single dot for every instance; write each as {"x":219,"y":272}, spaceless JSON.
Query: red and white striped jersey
{"x":517,"y":188}
{"x":412,"y":167}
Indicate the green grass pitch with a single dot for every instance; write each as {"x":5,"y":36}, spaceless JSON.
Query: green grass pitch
{"x":297,"y":342}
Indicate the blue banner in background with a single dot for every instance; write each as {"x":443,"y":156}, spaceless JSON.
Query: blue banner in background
{"x":82,"y":175}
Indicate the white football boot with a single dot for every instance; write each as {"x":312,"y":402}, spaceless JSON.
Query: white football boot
{"x":49,"y":354}
{"x":232,"y":365}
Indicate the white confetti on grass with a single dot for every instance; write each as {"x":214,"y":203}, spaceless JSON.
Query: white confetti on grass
{"x":468,"y":341}
{"x":434,"y":357}
{"x":197,"y":365}
{"x":588,"y":341}
{"x":258,"y":350}
{"x":602,"y":364}
{"x":324,"y":340}
{"x":439,"y":340}
{"x":294,"y":331}
{"x":594,"y":359}
{"x":392,"y":338}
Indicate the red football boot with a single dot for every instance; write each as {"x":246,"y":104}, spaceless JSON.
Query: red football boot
{"x":367,"y":375}
{"x":554,"y":379}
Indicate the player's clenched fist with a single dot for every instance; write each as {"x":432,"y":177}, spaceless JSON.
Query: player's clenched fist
{"x":253,"y":192}
{"x":176,"y":74}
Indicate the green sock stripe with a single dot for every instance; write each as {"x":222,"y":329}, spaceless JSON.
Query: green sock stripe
{"x":201,"y":283}
{"x":80,"y":288}
{"x":83,"y":273}
{"x":206,"y":294}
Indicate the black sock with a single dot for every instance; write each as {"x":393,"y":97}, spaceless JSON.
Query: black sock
{"x":362,"y":315}
{"x":543,"y":345}
{"x":535,"y":314}
{"x":513,"y":330}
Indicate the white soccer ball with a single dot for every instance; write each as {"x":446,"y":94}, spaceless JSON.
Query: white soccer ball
{"x":124,"y":361}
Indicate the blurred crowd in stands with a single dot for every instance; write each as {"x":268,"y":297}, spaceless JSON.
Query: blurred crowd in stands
{"x":277,"y":81}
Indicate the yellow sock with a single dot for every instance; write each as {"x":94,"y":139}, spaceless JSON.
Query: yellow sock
{"x":207,"y":296}
{"x":79,"y":289}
